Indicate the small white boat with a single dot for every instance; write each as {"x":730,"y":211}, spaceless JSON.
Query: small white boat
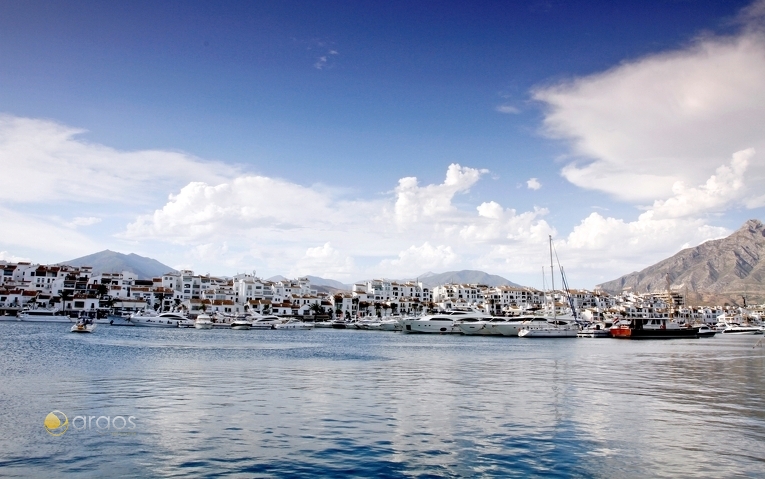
{"x":391,"y":324}
{"x":203,"y":321}
{"x":84,"y":326}
{"x":294,"y":324}
{"x":705,"y":331}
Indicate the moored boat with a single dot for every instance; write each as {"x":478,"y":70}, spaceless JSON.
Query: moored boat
{"x":153,"y":320}
{"x":294,"y":324}
{"x":203,"y":321}
{"x":43,"y":316}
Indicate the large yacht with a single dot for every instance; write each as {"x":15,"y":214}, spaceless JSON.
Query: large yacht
{"x":267,"y":321}
{"x":553,"y":328}
{"x":514,"y":325}
{"x":653,"y":328}
{"x":481,"y":327}
{"x":163,"y":320}
{"x":44,"y":316}
{"x":442,"y":322}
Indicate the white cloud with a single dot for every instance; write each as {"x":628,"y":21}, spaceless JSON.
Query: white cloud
{"x":645,"y":125}
{"x":43,"y":234}
{"x":509,"y":109}
{"x":417,"y":259}
{"x":324,"y":261}
{"x":268,"y":222}
{"x":533,"y":184}
{"x":49,"y":156}
{"x":83,"y":221}
{"x":11,"y":258}
{"x":720,"y":190}
{"x":434,"y":202}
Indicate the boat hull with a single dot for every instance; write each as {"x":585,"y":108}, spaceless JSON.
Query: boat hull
{"x":625,"y":332}
{"x":548,"y":333}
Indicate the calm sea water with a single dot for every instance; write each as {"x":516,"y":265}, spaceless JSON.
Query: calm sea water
{"x":367,"y":403}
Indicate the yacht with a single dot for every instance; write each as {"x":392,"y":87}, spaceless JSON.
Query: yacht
{"x":203,"y":321}
{"x":294,"y":324}
{"x":514,"y":325}
{"x":595,"y":330}
{"x":480,"y":327}
{"x":153,"y":320}
{"x":441,"y":323}
{"x":43,"y":316}
{"x":268,"y":321}
{"x":241,"y":322}
{"x":706,"y":332}
{"x":553,"y":328}
{"x":390,"y":324}
{"x":727,"y":327}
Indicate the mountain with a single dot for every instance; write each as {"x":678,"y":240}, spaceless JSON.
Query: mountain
{"x":113,"y":262}
{"x":730,"y":267}
{"x":466,"y":277}
{"x":317,"y":281}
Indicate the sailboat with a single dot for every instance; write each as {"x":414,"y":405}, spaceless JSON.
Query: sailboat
{"x":554,"y":327}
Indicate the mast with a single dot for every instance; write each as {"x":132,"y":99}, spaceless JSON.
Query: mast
{"x":552,"y":279}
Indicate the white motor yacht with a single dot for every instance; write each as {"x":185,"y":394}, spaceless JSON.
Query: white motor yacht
{"x":43,"y":316}
{"x":153,"y":320}
{"x":480,"y":327}
{"x":554,"y":328}
{"x":294,"y":324}
{"x":268,"y":321}
{"x":391,"y":324}
{"x":203,"y":321}
{"x":241,"y":322}
{"x":441,"y":323}
{"x":515,"y":324}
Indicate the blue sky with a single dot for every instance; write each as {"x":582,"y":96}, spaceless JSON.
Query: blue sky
{"x":285,"y":137}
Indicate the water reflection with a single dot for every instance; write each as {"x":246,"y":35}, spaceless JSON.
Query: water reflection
{"x":361,"y":403}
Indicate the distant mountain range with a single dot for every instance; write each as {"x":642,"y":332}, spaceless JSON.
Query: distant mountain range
{"x":113,"y":262}
{"x":730,"y":267}
{"x":428,"y":279}
{"x":466,"y":276}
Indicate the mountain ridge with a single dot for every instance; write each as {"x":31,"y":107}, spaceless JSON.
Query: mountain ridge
{"x":108,"y":261}
{"x":729,"y":266}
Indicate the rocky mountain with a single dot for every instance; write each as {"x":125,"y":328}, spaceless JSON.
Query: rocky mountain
{"x":730,"y":267}
{"x":113,"y":262}
{"x":466,"y":277}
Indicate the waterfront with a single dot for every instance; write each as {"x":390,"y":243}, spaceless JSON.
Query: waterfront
{"x":363,"y":403}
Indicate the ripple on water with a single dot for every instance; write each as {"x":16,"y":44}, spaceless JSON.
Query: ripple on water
{"x":326,"y":402}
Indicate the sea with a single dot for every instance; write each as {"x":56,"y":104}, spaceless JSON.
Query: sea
{"x":144,"y":402}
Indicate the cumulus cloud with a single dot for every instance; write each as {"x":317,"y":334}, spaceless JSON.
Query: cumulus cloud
{"x":420,"y":258}
{"x":324,"y":261}
{"x":414,"y":203}
{"x":61,"y":166}
{"x":638,"y":129}
{"x":533,"y":184}
{"x":260,"y":216}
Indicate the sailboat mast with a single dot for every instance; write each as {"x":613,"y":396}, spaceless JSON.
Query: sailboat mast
{"x":552,"y":279}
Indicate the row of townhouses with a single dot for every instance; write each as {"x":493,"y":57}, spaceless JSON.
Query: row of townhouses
{"x":27,"y":285}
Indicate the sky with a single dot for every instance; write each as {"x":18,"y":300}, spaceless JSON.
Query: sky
{"x":380,"y":139}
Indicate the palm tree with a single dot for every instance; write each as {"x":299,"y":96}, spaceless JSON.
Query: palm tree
{"x":316,"y":309}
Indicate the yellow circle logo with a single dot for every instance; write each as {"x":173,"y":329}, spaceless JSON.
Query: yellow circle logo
{"x":56,"y":423}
